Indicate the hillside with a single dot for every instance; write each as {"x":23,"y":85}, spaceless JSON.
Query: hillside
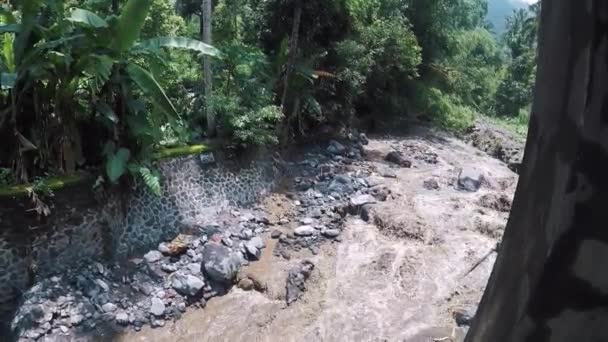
{"x":498,"y":10}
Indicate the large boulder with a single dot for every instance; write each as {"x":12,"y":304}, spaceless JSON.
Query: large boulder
{"x":220,"y":264}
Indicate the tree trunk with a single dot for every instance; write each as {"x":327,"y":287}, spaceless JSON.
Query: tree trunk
{"x":283,"y":127}
{"x":293,"y":51}
{"x":206,"y":21}
{"x":550,"y":282}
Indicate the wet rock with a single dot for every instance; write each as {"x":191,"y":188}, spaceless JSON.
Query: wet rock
{"x":304,"y":231}
{"x":363,"y":139}
{"x":470,"y":179}
{"x":186,"y":284}
{"x":153,"y":256}
{"x":276,"y":234}
{"x":253,"y":252}
{"x":157,"y":308}
{"x":157,"y":323}
{"x":462,"y":317}
{"x":307,"y":221}
{"x":168,"y":268}
{"x":109,"y":307}
{"x":296,"y":280}
{"x":194,"y":268}
{"x":367,"y":212}
{"x":219,"y":263}
{"x":336,"y":148}
{"x":104,"y":286}
{"x":397,"y":157}
{"x":122,"y":318}
{"x":431,"y":184}
{"x":330,"y":233}
{"x":76,"y":319}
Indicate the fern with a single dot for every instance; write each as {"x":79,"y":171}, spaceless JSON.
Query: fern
{"x":151,"y":180}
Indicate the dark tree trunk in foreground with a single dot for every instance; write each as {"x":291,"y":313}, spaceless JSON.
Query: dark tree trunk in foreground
{"x":550,"y":281}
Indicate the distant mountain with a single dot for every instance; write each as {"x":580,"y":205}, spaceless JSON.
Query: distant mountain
{"x":499,"y":10}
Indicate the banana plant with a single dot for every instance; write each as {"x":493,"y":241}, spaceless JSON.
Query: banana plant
{"x":83,"y":63}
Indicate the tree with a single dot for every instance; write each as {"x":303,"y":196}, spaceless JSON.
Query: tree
{"x":206,"y":21}
{"x":549,"y":281}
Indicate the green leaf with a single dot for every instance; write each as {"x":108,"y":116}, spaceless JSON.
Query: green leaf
{"x":105,"y":109}
{"x":151,"y":179}
{"x":179,"y":43}
{"x":130,"y":22}
{"x":151,"y":88}
{"x":79,"y":15}
{"x":117,"y":164}
{"x":10,"y":28}
{"x":7,"y":80}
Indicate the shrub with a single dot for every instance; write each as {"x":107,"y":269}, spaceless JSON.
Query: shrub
{"x":444,"y":109}
{"x":376,"y":65}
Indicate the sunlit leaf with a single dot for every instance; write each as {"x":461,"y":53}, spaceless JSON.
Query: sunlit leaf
{"x":79,"y":15}
{"x":180,"y":43}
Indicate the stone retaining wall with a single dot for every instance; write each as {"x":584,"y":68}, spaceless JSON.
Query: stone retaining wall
{"x":82,"y":228}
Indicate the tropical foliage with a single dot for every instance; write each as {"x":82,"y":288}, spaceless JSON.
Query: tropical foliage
{"x":102,"y":84}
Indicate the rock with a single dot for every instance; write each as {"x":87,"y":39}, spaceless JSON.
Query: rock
{"x":64,"y":329}
{"x":219,"y":263}
{"x":296,"y":280}
{"x":122,"y":318}
{"x":387,"y":173}
{"x":109,"y":307}
{"x":187,"y":285}
{"x":373,"y":181}
{"x":257,"y":242}
{"x":336,"y":148}
{"x":358,"y":201}
{"x":207,"y":158}
{"x":153,"y":256}
{"x":76,"y":319}
{"x":252,"y":251}
{"x":247,"y":217}
{"x":163,"y":248}
{"x":157,"y":308}
{"x":276,"y":234}
{"x":194,"y":268}
{"x":307,"y":221}
{"x":104,"y":286}
{"x":331,"y":233}
{"x":431,"y":184}
{"x":157,"y":323}
{"x":246,"y":284}
{"x":181,"y":307}
{"x":381,"y":193}
{"x":304,"y":231}
{"x":462,"y":317}
{"x":470,"y":179}
{"x":179,"y":245}
{"x":367,"y":212}
{"x":168,"y":268}
{"x":397,"y":157}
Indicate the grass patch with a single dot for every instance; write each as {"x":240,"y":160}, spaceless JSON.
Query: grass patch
{"x":173,"y":152}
